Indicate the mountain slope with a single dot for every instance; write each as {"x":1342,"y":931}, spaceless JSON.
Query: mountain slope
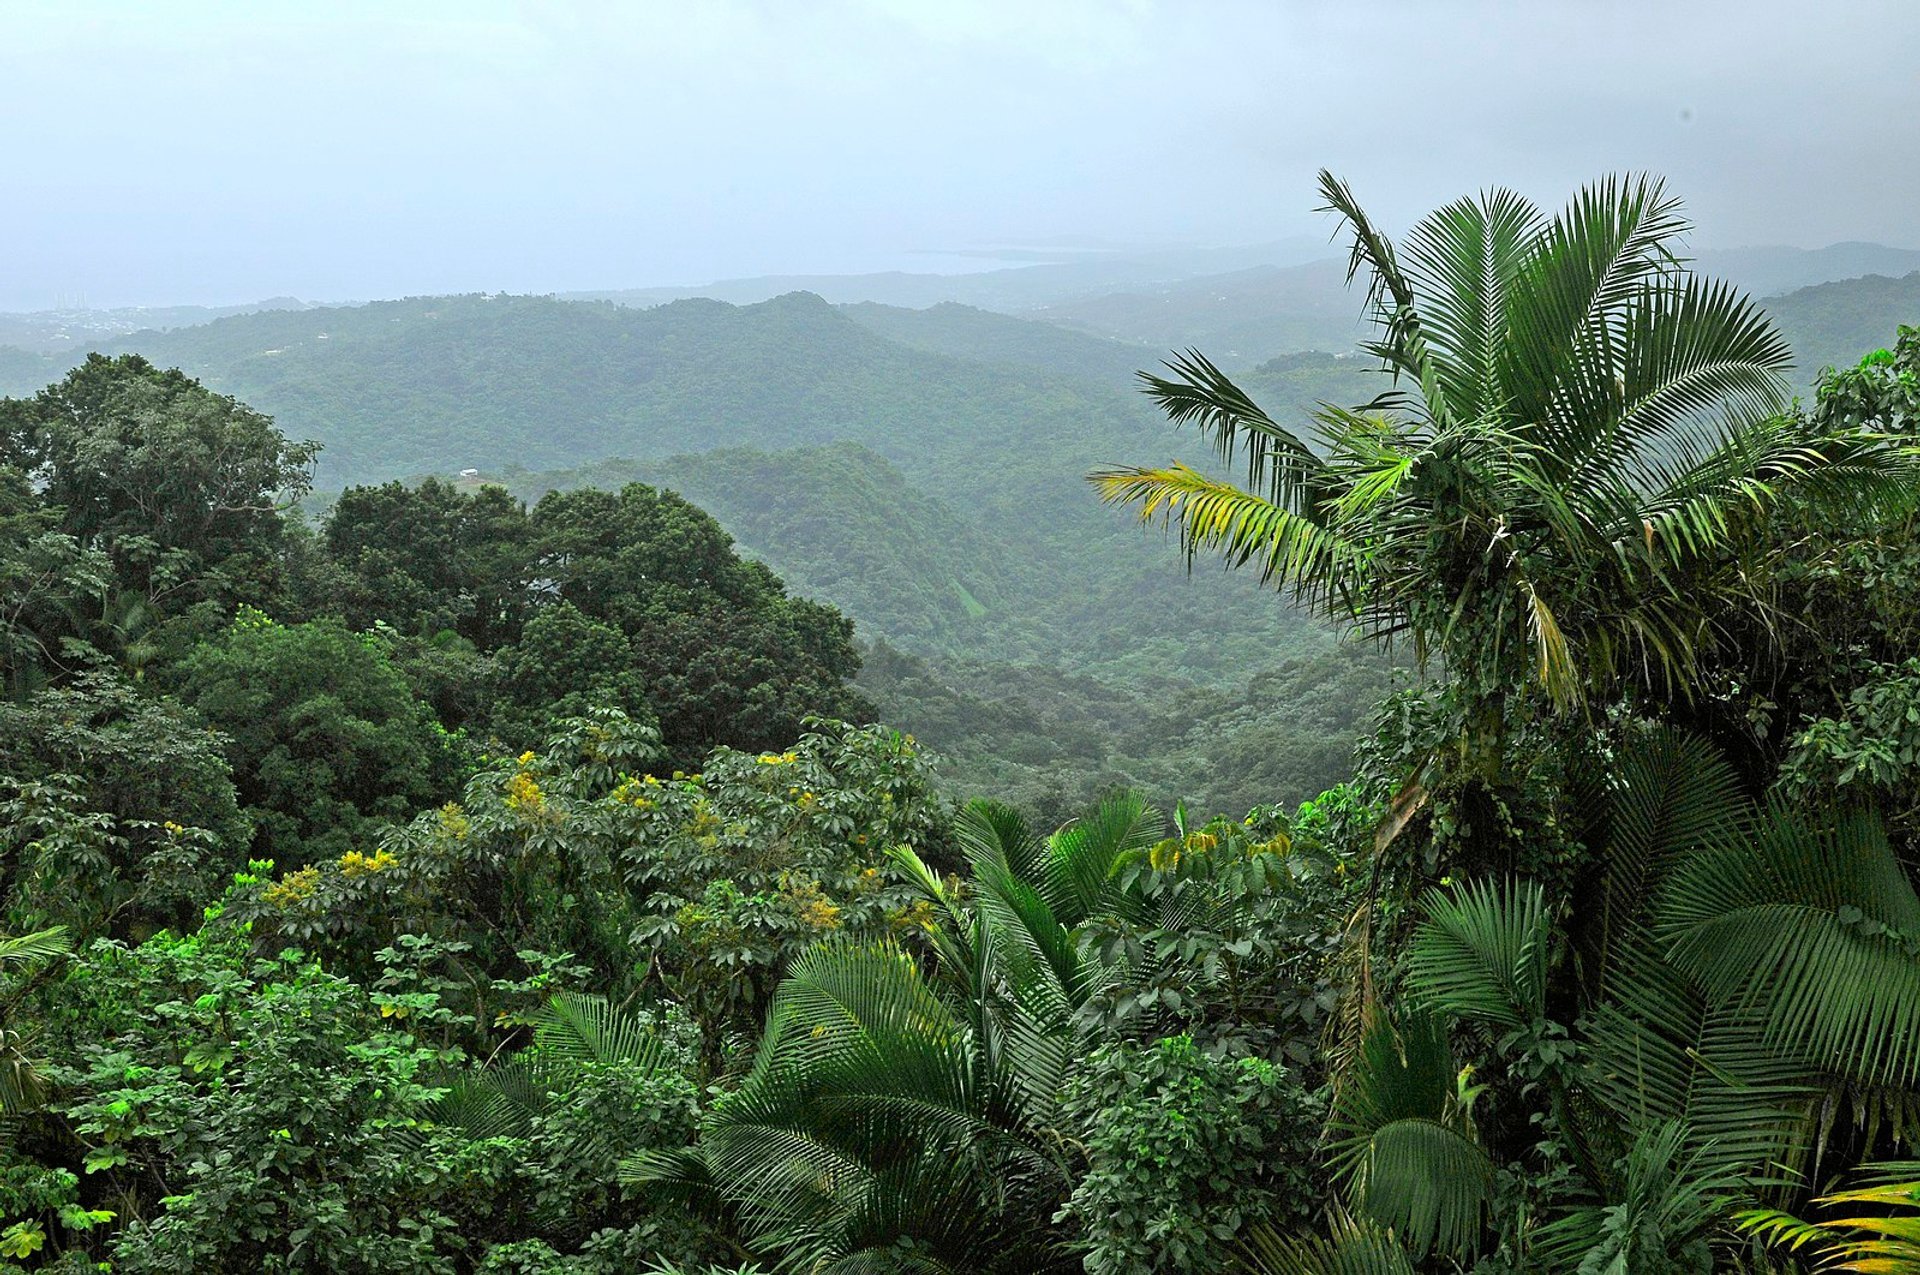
{"x":1834,"y":324}
{"x":1237,"y":318}
{"x":1770,"y":271}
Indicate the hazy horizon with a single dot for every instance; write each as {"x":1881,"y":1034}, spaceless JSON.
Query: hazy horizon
{"x":222,"y":153}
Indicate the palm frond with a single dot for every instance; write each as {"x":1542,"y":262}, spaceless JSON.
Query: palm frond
{"x":583,"y":1028}
{"x":1351,"y":1248}
{"x":1669,"y":1199}
{"x":1084,"y":857}
{"x":1402,"y":1143}
{"x":41,"y":945}
{"x":1460,"y":261}
{"x":1276,"y":460}
{"x":1806,"y":924}
{"x":1667,"y":794}
{"x":1291,"y":549}
{"x":1481,"y":953}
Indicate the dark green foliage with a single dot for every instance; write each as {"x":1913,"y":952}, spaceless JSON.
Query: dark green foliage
{"x":428,"y":558}
{"x":119,"y":809}
{"x":562,"y":665}
{"x":725,"y":654}
{"x":325,"y":735}
{"x":180,"y":486}
{"x":633,"y":599}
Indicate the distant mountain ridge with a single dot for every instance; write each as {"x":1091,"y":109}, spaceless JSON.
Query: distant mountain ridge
{"x":1773,"y":271}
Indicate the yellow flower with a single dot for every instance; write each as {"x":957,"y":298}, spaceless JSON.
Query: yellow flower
{"x":293,"y":888}
{"x":820,"y":914}
{"x":916,"y":916}
{"x":526,"y":758}
{"x":523,"y":794}
{"x":355,"y":864}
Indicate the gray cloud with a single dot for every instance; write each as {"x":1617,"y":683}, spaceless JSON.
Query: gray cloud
{"x":223,"y":152}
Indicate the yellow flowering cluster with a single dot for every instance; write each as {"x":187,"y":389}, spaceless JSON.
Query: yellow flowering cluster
{"x":917,"y":915}
{"x":810,"y":904}
{"x":174,"y":829}
{"x":634,"y":792}
{"x":524,"y":795}
{"x":295,"y":887}
{"x":778,"y":759}
{"x":820,"y":913}
{"x":355,"y":864}
{"x":870,"y":879}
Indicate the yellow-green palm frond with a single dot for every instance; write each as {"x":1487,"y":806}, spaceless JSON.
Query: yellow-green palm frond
{"x":1291,"y":549}
{"x":1884,"y":1242}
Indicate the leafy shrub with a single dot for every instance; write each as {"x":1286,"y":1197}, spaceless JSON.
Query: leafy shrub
{"x":1184,"y":1150}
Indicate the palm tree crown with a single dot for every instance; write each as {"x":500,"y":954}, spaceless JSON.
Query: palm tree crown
{"x":1561,"y":485}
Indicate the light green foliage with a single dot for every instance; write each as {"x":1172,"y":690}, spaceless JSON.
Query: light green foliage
{"x":262,"y":1098}
{"x":326,"y":738}
{"x":1184,"y":1150}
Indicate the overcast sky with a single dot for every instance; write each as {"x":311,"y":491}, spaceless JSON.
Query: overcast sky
{"x":205,"y":152}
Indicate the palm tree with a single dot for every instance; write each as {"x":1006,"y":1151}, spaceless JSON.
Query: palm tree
{"x":21,"y":1085}
{"x":1563,"y":485}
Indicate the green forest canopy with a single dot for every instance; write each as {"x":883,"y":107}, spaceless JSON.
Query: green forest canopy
{"x":462,"y":885}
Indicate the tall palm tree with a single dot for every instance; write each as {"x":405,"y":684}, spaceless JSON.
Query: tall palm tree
{"x":1565,"y":479}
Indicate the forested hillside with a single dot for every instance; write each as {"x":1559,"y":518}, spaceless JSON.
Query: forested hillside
{"x":1833,"y":324}
{"x":858,"y":452}
{"x":453,"y":879}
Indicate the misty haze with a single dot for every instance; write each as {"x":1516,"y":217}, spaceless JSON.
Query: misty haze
{"x":965,"y":638}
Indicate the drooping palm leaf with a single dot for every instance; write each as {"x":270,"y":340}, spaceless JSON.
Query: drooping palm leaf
{"x":1403,"y":1143}
{"x":1351,"y":1248}
{"x":1884,"y":1242}
{"x":867,"y":1121}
